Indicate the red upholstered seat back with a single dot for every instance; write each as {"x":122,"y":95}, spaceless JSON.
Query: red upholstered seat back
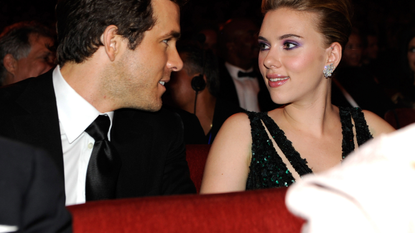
{"x":251,"y":211}
{"x":196,"y":156}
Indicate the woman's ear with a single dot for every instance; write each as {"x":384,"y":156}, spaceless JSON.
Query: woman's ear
{"x":334,"y":54}
{"x":111,"y":41}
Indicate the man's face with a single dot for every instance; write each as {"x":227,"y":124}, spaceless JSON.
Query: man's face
{"x":353,"y":50}
{"x":246,"y":41}
{"x":39,"y":61}
{"x":144,"y":71}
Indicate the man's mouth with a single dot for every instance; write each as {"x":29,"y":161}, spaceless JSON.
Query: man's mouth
{"x":162,"y":82}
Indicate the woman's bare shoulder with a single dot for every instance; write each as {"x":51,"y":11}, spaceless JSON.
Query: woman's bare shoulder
{"x":377,"y":125}
{"x":227,"y":165}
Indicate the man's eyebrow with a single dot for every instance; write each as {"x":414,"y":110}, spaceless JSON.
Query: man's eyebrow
{"x":172,"y":34}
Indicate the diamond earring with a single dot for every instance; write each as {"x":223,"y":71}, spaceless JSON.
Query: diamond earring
{"x":328,"y":70}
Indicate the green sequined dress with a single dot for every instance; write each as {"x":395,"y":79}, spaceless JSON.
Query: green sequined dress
{"x":267,"y":169}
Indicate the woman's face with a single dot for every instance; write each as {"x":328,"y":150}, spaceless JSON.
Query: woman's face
{"x":411,"y":54}
{"x":292,"y":56}
{"x":352,"y":54}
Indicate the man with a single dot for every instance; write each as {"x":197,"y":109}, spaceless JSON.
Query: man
{"x":194,"y":89}
{"x":240,"y":83}
{"x":114,"y":58}
{"x":32,"y":197}
{"x":25,"y":51}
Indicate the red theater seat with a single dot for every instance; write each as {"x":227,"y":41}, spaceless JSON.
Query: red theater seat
{"x":196,"y":156}
{"x":251,"y":211}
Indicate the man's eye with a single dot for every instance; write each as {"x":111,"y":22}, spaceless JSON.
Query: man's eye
{"x":411,"y":50}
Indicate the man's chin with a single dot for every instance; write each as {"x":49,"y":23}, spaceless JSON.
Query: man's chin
{"x":153,"y":107}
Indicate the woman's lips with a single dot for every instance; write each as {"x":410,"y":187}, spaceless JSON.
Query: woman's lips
{"x":277,"y":81}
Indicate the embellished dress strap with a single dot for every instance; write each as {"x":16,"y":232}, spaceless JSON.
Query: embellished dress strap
{"x":267,"y":168}
{"x":299,"y":164}
{"x":362,"y":130}
{"x":347,"y":131}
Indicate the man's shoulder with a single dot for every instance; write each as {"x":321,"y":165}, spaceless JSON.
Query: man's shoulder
{"x":16,"y":148}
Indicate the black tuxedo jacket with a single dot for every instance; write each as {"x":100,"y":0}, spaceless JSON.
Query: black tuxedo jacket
{"x":228,"y":90}
{"x":32,"y":196}
{"x":150,"y":144}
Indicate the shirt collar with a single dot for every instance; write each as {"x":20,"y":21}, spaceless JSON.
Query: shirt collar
{"x":233,"y":70}
{"x":74,"y":112}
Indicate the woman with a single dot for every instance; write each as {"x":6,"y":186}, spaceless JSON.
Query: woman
{"x":300,"y":44}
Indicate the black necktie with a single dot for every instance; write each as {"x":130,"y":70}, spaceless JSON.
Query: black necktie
{"x":242,"y":74}
{"x":104,"y":164}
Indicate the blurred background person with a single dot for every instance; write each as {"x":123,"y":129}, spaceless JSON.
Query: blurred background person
{"x":211,"y":38}
{"x":241,"y":82}
{"x":371,"y":48}
{"x":26,"y":50}
{"x":354,"y":85}
{"x":32,"y":196}
{"x":406,"y":92}
{"x":353,"y":51}
{"x":193,"y":91}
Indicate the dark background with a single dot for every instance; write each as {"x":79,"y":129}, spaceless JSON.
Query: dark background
{"x":387,"y":17}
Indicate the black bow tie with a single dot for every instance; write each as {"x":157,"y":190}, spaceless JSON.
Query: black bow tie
{"x":251,"y":74}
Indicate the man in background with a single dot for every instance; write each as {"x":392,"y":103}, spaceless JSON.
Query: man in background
{"x":26,"y":50}
{"x":241,"y":83}
{"x":194,"y":89}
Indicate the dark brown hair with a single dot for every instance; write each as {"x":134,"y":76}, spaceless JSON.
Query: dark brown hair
{"x":334,"y":16}
{"x":80,"y":24}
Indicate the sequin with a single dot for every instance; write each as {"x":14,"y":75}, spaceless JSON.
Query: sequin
{"x":267,"y":168}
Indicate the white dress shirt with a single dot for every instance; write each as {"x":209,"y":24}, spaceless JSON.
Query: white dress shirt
{"x":75,"y":115}
{"x":246,"y":87}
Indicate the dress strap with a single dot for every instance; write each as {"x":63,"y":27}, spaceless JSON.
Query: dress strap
{"x":347,"y":131}
{"x":362,"y":130}
{"x":298,"y":163}
{"x":267,"y":168}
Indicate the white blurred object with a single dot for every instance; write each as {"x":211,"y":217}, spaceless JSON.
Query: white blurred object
{"x":373,"y":190}
{"x":5,"y":228}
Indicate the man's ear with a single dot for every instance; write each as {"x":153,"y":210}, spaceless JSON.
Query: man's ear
{"x":111,"y":41}
{"x":10,"y":63}
{"x":334,"y":54}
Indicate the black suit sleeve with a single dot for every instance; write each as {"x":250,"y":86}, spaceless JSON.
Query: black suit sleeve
{"x":176,"y":176}
{"x":32,"y":193}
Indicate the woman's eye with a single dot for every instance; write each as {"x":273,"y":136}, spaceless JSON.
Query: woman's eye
{"x":263,"y":46}
{"x":289,"y":45}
